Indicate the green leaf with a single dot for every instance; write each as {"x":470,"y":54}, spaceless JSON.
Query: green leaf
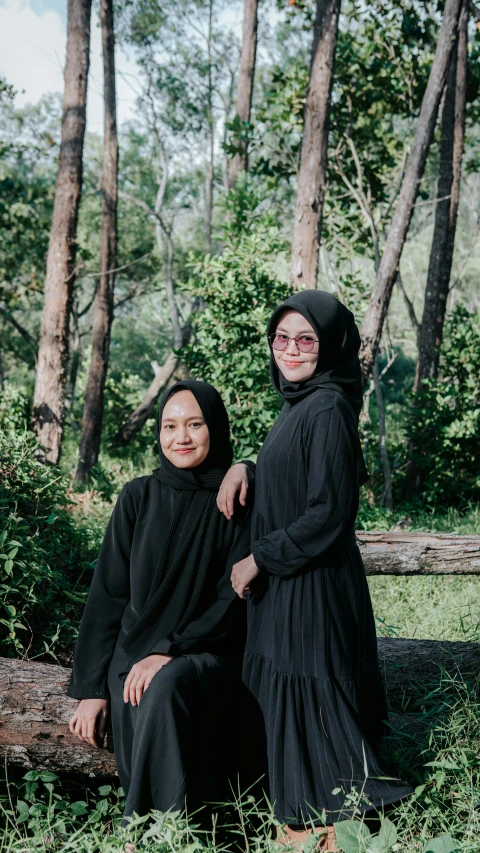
{"x":31,"y":776}
{"x":351,"y":835}
{"x":388,"y":834}
{"x":104,"y":790}
{"x":22,"y":809}
{"x":441,"y":844}
{"x":48,"y":776}
{"x":78,"y":808}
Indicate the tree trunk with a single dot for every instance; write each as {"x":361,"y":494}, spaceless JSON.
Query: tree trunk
{"x":313,"y":159}
{"x":103,"y":310}
{"x":389,"y":264}
{"x":246,"y":77}
{"x":35,"y":711}
{"x":211,"y":140}
{"x":146,"y":409}
{"x":49,"y":397}
{"x":387,"y":500}
{"x":398,"y":553}
{"x":448,"y":192}
{"x":441,"y":256}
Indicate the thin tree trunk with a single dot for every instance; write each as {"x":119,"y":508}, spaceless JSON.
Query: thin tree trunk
{"x":313,"y":159}
{"x":75,"y":357}
{"x":387,"y":500}
{"x":441,"y":256}
{"x":448,"y":192}
{"x":389,"y":264}
{"x":49,"y":396}
{"x":103,"y":309}
{"x":211,"y":140}
{"x":246,"y":77}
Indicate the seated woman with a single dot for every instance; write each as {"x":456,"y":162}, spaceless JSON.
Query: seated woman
{"x":162,"y":634}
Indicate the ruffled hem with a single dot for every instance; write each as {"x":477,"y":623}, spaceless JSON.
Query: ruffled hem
{"x":321,"y":738}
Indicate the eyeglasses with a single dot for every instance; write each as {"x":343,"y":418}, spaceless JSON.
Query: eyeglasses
{"x":305,"y":343}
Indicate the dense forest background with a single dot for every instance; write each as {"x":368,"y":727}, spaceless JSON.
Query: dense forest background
{"x":325,"y":145}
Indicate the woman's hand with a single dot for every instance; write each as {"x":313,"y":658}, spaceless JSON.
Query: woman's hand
{"x":140,"y":676}
{"x":235,"y":480}
{"x":243,"y":574}
{"x":89,"y":721}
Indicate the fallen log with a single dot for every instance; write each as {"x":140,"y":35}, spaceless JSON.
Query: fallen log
{"x":34,"y":710}
{"x":34,"y":716}
{"x":419,"y":553}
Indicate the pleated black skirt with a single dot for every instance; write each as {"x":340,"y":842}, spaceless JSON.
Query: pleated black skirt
{"x":311,"y":667}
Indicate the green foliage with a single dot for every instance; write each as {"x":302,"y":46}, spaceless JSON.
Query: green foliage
{"x":239,"y":290}
{"x":445,"y":421}
{"x":45,"y":558}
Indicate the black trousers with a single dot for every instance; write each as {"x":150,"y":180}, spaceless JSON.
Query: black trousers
{"x":177,"y":749}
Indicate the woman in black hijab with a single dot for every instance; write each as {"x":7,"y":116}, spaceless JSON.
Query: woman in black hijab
{"x":311,"y":653}
{"x":162,"y":634}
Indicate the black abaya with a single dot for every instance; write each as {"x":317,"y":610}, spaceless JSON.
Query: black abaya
{"x":175,"y":747}
{"x":311,"y":655}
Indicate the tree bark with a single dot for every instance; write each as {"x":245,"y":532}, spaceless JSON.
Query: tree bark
{"x":49,"y":396}
{"x":146,"y":409}
{"x":387,"y":500}
{"x":448,"y":193}
{"x":389,"y":264}
{"x":239,"y":162}
{"x":419,"y":553}
{"x":34,"y":710}
{"x":313,"y":158}
{"x":103,"y":310}
{"x":210,"y":140}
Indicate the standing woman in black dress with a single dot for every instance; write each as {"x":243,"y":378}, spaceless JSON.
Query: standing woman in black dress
{"x":311,"y":655}
{"x":162,"y":634}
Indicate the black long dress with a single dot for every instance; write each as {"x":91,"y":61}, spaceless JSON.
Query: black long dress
{"x":311,"y":655}
{"x":172,"y":749}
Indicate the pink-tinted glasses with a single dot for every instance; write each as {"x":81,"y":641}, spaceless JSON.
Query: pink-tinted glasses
{"x":305,"y":343}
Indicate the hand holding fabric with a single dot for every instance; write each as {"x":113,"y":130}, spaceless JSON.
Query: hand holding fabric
{"x":140,"y":676}
{"x":243,"y":574}
{"x":89,"y":721}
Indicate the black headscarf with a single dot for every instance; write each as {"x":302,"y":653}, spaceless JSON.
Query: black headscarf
{"x":338,"y":365}
{"x":182,"y":569}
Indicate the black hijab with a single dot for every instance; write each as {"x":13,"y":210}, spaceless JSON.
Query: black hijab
{"x":338,"y":365}
{"x":182,"y":569}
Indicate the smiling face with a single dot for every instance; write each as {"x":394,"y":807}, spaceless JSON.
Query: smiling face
{"x":184,"y":435}
{"x":295,"y":365}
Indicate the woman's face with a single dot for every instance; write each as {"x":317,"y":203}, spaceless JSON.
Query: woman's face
{"x":184,"y":435}
{"x":296,"y":366}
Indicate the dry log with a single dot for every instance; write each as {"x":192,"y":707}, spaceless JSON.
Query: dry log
{"x":34,"y":710}
{"x":419,"y":553}
{"x":34,"y":716}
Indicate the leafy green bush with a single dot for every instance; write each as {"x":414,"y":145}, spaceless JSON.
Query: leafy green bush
{"x":445,"y":422}
{"x":45,"y":558}
{"x":239,"y":290}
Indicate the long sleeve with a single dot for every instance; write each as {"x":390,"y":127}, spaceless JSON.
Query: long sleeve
{"x":108,"y":596}
{"x":221,"y":625}
{"x":331,"y":485}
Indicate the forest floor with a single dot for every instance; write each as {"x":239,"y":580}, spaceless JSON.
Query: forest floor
{"x":42,"y":812}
